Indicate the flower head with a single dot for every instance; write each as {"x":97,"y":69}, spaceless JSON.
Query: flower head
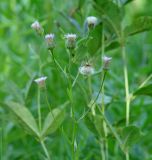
{"x":49,"y":38}
{"x":91,"y":21}
{"x":41,"y":81}
{"x":86,"y":69}
{"x":106,"y":61}
{"x":70,"y":40}
{"x":37,"y":27}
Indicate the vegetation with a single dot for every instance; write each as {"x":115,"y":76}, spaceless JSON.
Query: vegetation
{"x":76,"y":80}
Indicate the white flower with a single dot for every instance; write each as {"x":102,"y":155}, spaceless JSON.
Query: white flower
{"x":41,"y":81}
{"x":92,"y":21}
{"x":36,"y":25}
{"x":49,"y":38}
{"x":106,"y":61}
{"x":71,"y":40}
{"x":86,"y":69}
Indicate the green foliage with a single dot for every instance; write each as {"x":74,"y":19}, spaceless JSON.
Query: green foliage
{"x":140,"y":24}
{"x":53,"y":121}
{"x":24,"y":57}
{"x":146,"y":90}
{"x":130,"y":135}
{"x":24,"y":117}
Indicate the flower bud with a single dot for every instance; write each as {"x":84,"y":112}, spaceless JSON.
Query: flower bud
{"x":91,"y":22}
{"x":106,"y":61}
{"x":41,"y":81}
{"x":86,"y":69}
{"x":37,"y":27}
{"x":49,"y":38}
{"x":71,"y":40}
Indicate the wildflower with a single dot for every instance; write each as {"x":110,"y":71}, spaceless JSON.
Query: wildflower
{"x":41,"y":81}
{"x":70,"y":40}
{"x":37,"y":27}
{"x":91,"y":22}
{"x":106,"y":61}
{"x":86,"y":69}
{"x":49,"y":38}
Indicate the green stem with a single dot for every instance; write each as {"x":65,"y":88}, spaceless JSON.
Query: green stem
{"x":126,"y":85}
{"x":1,"y":143}
{"x":70,"y":93}
{"x":89,"y":86}
{"x":103,"y":105}
{"x":111,"y":128}
{"x":45,"y":150}
{"x":127,"y":155}
{"x":123,"y":50}
{"x":39,"y":108}
{"x":90,"y":108}
{"x":57,"y":63}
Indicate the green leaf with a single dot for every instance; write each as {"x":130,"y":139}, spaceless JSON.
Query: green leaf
{"x":139,"y":25}
{"x":90,"y":124}
{"x":24,"y":117}
{"x":110,"y":13}
{"x":98,"y":121}
{"x":130,"y":135}
{"x":53,"y":120}
{"x":147,"y":90}
{"x":94,"y":42}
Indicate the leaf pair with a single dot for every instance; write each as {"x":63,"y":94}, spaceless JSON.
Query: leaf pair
{"x":27,"y":121}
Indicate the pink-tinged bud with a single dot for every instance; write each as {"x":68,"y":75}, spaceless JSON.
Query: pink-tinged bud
{"x":71,"y":40}
{"x":86,"y":69}
{"x":106,"y":62}
{"x":41,"y":81}
{"x":49,"y":38}
{"x":37,"y":27}
{"x":91,"y":22}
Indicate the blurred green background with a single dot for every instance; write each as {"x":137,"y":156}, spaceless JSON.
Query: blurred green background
{"x":19,"y":50}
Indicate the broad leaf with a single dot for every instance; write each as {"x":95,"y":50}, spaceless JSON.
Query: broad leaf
{"x":110,"y":13}
{"x":147,"y":90}
{"x":139,"y":25}
{"x":53,"y":120}
{"x":130,"y":135}
{"x":98,"y":121}
{"x":24,"y":117}
{"x":90,"y":124}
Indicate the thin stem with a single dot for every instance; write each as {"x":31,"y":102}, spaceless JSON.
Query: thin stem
{"x":74,"y":81}
{"x":89,"y":85}
{"x":90,"y":108}
{"x":45,"y":150}
{"x":39,"y":108}
{"x":123,"y":50}
{"x":57,"y":63}
{"x":111,"y":128}
{"x":126,"y":85}
{"x":127,"y":155}
{"x":46,"y":97}
{"x":102,"y":150}
{"x":70,"y":94}
{"x":1,"y":143}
